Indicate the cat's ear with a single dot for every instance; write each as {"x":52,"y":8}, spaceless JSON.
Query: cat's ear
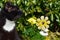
{"x":20,"y":12}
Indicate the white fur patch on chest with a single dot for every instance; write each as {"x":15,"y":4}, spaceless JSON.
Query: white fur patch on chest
{"x":9,"y":25}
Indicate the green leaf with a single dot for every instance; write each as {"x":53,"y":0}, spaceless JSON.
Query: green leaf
{"x":52,"y":17}
{"x":57,"y":16}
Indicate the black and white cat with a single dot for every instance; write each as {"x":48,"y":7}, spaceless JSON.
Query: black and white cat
{"x":9,"y":13}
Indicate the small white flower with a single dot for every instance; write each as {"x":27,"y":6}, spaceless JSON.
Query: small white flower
{"x":42,"y":23}
{"x":44,"y":33}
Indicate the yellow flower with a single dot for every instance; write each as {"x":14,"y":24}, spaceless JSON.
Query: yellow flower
{"x":32,"y":20}
{"x":43,"y":22}
{"x":47,"y":38}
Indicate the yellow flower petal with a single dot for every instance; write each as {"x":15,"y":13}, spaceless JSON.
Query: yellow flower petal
{"x":39,"y":28}
{"x":38,"y":19}
{"x":37,"y":24}
{"x":32,"y":20}
{"x":43,"y":28}
{"x":47,"y":26}
{"x":48,"y":22}
{"x":40,"y":24}
{"x":42,"y":17}
{"x":47,"y":38}
{"x":46,"y":18}
{"x":45,"y":23}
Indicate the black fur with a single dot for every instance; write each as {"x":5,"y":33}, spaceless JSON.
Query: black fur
{"x":10,"y":12}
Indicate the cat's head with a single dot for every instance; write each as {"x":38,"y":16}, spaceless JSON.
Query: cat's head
{"x":10,"y":11}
